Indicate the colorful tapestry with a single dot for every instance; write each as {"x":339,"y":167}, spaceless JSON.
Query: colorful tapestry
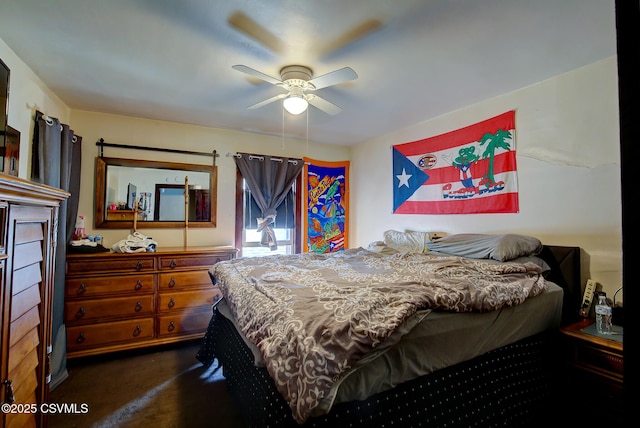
{"x":468,"y":171}
{"x":326,"y":195}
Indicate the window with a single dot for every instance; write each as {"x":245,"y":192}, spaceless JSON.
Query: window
{"x":288,"y":221}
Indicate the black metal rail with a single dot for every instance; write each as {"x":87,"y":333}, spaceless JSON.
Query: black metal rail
{"x":102,"y":144}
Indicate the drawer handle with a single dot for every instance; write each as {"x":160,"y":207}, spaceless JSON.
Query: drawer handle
{"x":138,"y":306}
{"x":137,"y":330}
{"x":80,"y":338}
{"x":173,"y":263}
{"x":172,"y":283}
{"x":172,"y":326}
{"x":80,"y":312}
{"x":139,"y":265}
{"x":171,"y":303}
{"x":81,"y":289}
{"x":138,"y":284}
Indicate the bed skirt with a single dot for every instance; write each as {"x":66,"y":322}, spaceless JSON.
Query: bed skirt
{"x":510,"y":386}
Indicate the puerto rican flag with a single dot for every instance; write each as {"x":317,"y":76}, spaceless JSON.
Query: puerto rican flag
{"x":336,"y":244}
{"x":468,"y":171}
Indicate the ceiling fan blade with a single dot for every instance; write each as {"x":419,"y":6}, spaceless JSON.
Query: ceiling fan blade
{"x":350,"y":37}
{"x":250,"y":71}
{"x":255,"y":31}
{"x":268,"y":101}
{"x":323,"y":104}
{"x":335,"y":77}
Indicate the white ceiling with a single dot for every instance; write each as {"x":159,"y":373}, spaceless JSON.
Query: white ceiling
{"x":171,"y":59}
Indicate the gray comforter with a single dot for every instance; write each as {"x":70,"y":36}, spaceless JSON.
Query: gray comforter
{"x":312,"y":316}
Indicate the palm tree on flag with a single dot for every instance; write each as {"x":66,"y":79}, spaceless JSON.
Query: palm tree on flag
{"x":494,"y":142}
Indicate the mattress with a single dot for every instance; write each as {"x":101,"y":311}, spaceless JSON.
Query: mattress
{"x":432,"y":340}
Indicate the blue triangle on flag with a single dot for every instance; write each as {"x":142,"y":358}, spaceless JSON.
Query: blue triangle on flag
{"x":407,"y":178}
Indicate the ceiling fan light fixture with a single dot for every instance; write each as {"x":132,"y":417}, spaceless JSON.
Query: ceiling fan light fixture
{"x":295,"y":104}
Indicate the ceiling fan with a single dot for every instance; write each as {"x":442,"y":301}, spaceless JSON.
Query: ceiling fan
{"x":299,"y":84}
{"x":298,"y":80}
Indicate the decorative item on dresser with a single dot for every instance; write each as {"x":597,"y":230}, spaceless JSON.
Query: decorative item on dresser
{"x":116,"y":301}
{"x":28,"y":230}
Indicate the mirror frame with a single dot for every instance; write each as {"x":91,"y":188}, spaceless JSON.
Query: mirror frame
{"x":100,"y":220}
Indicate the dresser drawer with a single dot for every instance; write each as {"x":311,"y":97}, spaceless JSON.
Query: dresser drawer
{"x":203,"y":261}
{"x":94,"y":335}
{"x":126,"y":263}
{"x":168,"y":281}
{"x":185,"y":322}
{"x":87,"y":310}
{"x":202,"y":299}
{"x":598,"y":360}
{"x":96,"y":286}
{"x":122,"y":215}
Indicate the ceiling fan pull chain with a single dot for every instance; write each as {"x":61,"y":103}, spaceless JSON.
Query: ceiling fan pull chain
{"x":307,"y":132}
{"x":282,"y":127}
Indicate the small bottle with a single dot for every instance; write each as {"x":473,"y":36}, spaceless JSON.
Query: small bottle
{"x":603,"y":315}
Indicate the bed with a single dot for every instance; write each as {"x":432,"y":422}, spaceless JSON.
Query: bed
{"x":408,"y":332}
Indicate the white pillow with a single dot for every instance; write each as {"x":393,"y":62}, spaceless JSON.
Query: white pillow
{"x":406,"y":242}
{"x":425,"y":236}
{"x":381,"y":248}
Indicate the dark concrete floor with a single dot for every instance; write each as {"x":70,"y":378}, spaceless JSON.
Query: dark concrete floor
{"x":163,"y":387}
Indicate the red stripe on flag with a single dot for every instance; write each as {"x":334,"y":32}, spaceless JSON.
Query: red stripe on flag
{"x":502,"y":203}
{"x":462,"y":136}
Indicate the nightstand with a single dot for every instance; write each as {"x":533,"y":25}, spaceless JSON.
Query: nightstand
{"x":593,"y":369}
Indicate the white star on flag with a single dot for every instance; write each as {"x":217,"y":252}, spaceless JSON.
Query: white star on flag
{"x":404,"y":179}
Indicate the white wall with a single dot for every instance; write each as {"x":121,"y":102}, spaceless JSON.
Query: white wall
{"x":27,"y":94}
{"x":568,"y":157}
{"x":142,"y":132}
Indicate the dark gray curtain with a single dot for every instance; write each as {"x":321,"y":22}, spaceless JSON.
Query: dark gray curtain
{"x":269,"y":178}
{"x":56,"y":159}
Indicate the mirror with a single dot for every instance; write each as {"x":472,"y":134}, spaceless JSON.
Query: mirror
{"x":158,"y":191}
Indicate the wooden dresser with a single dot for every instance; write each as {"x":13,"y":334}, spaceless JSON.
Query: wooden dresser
{"x":28,"y":237}
{"x":119,"y":301}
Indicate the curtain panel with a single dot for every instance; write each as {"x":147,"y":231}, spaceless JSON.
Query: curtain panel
{"x":56,"y":159}
{"x":269,"y":179}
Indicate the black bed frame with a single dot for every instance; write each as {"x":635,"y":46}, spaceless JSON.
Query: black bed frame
{"x":507,"y":387}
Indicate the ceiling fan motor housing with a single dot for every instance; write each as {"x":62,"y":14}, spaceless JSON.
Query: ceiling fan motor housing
{"x":297,"y":76}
